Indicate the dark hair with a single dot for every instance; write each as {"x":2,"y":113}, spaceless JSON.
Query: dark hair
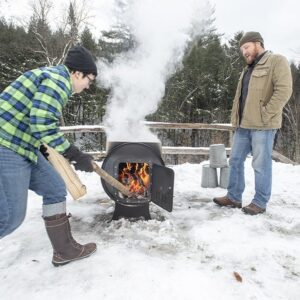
{"x":72,"y":70}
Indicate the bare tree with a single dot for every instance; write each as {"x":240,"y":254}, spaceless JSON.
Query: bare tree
{"x":41,"y":29}
{"x":73,"y":22}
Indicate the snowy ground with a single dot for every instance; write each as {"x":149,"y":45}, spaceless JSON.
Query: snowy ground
{"x":190,"y":253}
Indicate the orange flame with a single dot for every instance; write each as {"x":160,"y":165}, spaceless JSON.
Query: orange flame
{"x":135,"y":176}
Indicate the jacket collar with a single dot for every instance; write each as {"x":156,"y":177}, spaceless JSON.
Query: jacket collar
{"x":264,"y":58}
{"x":262,"y":61}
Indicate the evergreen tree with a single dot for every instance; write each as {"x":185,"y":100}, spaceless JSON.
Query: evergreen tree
{"x":235,"y":64}
{"x":201,"y":91}
{"x":89,"y":42}
{"x":73,"y":24}
{"x":15,"y":53}
{"x":116,"y":41}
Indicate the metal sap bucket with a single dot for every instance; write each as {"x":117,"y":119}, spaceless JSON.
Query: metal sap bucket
{"x":217,"y":156}
{"x":224,"y":177}
{"x":209,"y":177}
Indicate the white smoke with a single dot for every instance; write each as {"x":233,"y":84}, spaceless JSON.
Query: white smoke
{"x":162,"y":30}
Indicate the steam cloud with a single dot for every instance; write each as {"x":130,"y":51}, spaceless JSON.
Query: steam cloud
{"x":137,"y":79}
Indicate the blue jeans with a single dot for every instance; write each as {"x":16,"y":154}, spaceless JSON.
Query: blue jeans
{"x":260,"y":144}
{"x":17,"y":176}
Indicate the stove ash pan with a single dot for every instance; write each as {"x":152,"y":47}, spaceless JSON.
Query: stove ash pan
{"x":140,"y":167}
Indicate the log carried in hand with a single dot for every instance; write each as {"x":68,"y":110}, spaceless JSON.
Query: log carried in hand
{"x":63,"y":167}
{"x":111,"y":180}
{"x":71,"y":179}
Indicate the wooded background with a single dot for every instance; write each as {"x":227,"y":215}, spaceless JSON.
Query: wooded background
{"x":201,"y":91}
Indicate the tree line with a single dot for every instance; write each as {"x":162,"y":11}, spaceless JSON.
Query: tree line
{"x":201,"y":90}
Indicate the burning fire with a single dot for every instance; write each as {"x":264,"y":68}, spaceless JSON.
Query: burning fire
{"x":135,"y":176}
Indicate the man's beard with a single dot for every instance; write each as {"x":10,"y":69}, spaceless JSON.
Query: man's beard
{"x":253,"y":56}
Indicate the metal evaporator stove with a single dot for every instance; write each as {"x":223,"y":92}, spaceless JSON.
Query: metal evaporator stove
{"x":140,"y":167}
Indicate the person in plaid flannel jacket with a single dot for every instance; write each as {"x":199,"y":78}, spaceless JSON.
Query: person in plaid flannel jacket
{"x":30,"y":110}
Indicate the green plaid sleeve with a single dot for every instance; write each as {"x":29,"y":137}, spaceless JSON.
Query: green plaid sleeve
{"x":45,"y":114}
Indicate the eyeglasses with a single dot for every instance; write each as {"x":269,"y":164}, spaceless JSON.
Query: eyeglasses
{"x":89,"y":79}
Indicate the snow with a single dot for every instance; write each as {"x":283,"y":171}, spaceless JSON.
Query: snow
{"x":190,"y":253}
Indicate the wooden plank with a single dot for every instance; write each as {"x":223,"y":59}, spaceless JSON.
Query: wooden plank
{"x":82,"y":128}
{"x":153,"y":125}
{"x":281,"y":158}
{"x":189,"y":150}
{"x":198,"y":151}
{"x":172,"y":150}
{"x":212,"y":126}
{"x":169,"y":150}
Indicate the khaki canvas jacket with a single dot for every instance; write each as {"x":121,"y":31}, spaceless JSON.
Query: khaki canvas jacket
{"x":270,"y":88}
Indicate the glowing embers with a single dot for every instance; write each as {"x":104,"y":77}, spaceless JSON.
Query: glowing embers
{"x":136,"y":176}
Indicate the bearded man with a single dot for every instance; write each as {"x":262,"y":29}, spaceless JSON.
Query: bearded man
{"x":263,"y":89}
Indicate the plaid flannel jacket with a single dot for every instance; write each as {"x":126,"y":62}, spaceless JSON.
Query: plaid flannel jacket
{"x":30,"y":109}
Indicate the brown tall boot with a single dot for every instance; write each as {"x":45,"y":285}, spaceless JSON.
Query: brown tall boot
{"x":65,"y":248}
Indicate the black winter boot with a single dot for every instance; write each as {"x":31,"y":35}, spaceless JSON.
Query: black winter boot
{"x":65,"y":248}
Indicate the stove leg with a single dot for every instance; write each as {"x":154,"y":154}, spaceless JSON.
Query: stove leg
{"x":136,"y":212}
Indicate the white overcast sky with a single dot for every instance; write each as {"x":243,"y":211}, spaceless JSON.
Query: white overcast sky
{"x":277,"y":20}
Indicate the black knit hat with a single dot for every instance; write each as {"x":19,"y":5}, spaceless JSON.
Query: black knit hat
{"x":251,"y":36}
{"x":80,"y":59}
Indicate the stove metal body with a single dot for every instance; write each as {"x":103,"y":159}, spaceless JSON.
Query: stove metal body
{"x":161,"y":179}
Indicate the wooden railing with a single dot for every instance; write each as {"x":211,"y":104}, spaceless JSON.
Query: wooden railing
{"x":153,"y":125}
{"x":167,"y":149}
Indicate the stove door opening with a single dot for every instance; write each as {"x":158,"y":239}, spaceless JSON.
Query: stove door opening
{"x":136,"y":176}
